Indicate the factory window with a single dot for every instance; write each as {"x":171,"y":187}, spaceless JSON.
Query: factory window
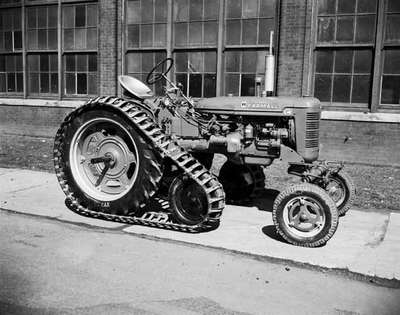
{"x":248,"y":25}
{"x":11,"y":75}
{"x":34,"y":42}
{"x":146,"y":38}
{"x":344,"y":52}
{"x":80,"y":72}
{"x":390,"y":94}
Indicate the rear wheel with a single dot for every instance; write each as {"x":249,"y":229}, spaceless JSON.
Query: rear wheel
{"x":103,"y":163}
{"x":305,"y":215}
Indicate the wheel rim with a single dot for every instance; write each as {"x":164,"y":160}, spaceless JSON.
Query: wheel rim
{"x":337,"y":191}
{"x":191,"y":201}
{"x":114,"y":176}
{"x":304,"y":216}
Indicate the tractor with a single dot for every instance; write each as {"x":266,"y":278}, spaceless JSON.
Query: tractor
{"x":146,"y":160}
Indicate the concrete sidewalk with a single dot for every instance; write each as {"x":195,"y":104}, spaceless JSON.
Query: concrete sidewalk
{"x":366,"y":243}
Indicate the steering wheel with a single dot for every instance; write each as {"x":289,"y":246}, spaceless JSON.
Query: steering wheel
{"x":153,"y":77}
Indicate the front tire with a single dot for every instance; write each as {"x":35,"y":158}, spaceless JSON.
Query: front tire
{"x":127,"y":176}
{"x":304,"y":215}
{"x":342,"y":190}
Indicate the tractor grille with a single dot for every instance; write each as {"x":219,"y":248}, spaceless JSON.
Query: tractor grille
{"x":312,"y":130}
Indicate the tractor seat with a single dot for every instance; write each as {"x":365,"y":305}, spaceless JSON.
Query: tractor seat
{"x":134,"y":87}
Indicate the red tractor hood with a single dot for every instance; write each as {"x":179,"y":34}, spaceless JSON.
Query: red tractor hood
{"x":252,"y":105}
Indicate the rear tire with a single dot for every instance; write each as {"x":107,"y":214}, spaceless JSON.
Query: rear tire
{"x":97,"y":131}
{"x":304,"y":215}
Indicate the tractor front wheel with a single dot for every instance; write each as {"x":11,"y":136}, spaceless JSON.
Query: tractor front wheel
{"x":305,"y":215}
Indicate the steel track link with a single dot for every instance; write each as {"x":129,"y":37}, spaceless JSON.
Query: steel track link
{"x":168,"y":149}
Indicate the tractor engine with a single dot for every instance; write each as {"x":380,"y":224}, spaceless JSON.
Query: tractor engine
{"x":254,"y":128}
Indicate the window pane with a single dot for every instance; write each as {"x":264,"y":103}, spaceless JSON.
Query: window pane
{"x":81,"y":63}
{"x":250,"y":9}
{"x":390,"y":90}
{"x":211,"y":9}
{"x":91,"y":41}
{"x":8,"y":42}
{"x":92,"y":15}
{"x":70,"y":83}
{"x":361,"y":89}
{"x":31,"y":17}
{"x":210,"y":85}
{"x":181,"y":10}
{"x":44,"y":83}
{"x":365,"y":29}
{"x":18,"y":63}
{"x":210,"y":61}
{"x":196,"y":62}
{"x":180,"y":34}
{"x":11,"y":82}
{"x":326,"y":29}
{"x":10,"y":63}
{"x":322,"y":89}
{"x":393,"y":27}
{"x":69,"y":39}
{"x":92,"y":62}
{"x":363,"y":61}
{"x":70,"y":62}
{"x":2,"y":63}
{"x":42,"y":18}
{"x":80,"y":38}
{"x":17,"y":40}
{"x":249,"y":61}
{"x":248,"y":85}
{"x":52,"y":17}
{"x":345,"y":29}
{"x":195,"y":82}
{"x":69,"y":16}
{"x":133,"y":12}
{"x":42,"y":39}
{"x":392,"y":62}
{"x":393,"y":5}
{"x":232,"y":84}
{"x":133,"y":62}
{"x":161,"y":11}
{"x":2,"y":82}
{"x":81,"y":83}
{"x":344,"y":61}
{"x":80,"y":15}
{"x":346,"y":6}
{"x":181,"y":61}
{"x":196,"y":10}
{"x":195,"y":33}
{"x":366,"y":6}
{"x":324,"y":61}
{"x":233,"y":32}
{"x":326,"y":6}
{"x":232,"y":61}
{"x":92,"y":84}
{"x":20,"y":82}
{"x":249,"y":36}
{"x":34,"y":83}
{"x":147,"y":62}
{"x":44,"y":62}
{"x":133,"y":35}
{"x":341,"y":88}
{"x":147,"y":11}
{"x":233,"y":8}
{"x":54,"y":83}
{"x":146,"y":35}
{"x":33,"y":63}
{"x":210,"y":33}
{"x":267,"y":8}
{"x":52,"y":39}
{"x":53,"y":63}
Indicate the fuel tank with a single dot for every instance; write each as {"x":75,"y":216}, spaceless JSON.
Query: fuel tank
{"x":256,"y":106}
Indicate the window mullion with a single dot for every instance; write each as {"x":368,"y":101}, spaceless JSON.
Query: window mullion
{"x":59,"y":51}
{"x":220,"y":46}
{"x":24,"y":63}
{"x":376,"y":80}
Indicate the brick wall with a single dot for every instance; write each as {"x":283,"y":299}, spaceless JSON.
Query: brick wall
{"x":108,"y":46}
{"x":292,"y":30}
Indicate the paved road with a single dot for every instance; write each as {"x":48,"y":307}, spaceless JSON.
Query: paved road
{"x":49,"y":267}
